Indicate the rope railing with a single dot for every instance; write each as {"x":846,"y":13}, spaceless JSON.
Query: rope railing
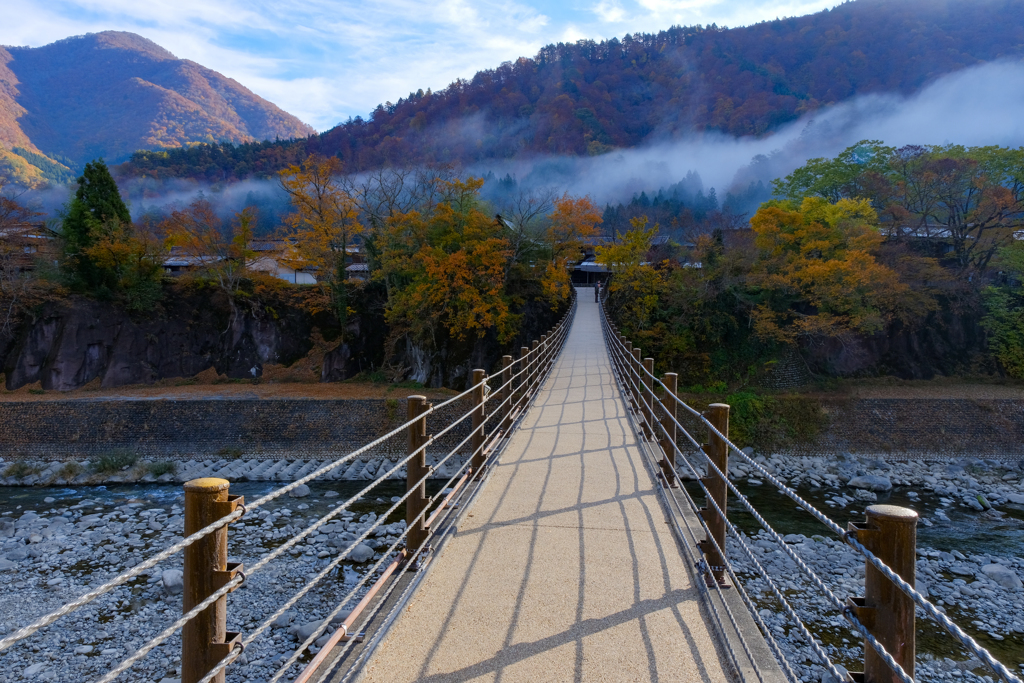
{"x":514,"y":395}
{"x":638,"y":383}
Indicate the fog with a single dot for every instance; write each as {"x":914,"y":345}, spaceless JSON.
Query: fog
{"x":977,"y":106}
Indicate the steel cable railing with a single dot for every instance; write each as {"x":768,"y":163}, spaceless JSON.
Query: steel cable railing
{"x":626,"y":369}
{"x":533,"y":368}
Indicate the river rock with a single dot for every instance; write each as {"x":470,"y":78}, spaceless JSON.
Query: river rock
{"x":173,"y":582}
{"x":1004,"y":576}
{"x":83,"y":649}
{"x":331,"y":494}
{"x":33,"y":670}
{"x":300,"y":491}
{"x":871,"y":482}
{"x":361,"y":553}
{"x":285,"y":619}
{"x":7,"y":564}
{"x":865,"y":495}
{"x":1015,"y":498}
{"x":303,"y":631}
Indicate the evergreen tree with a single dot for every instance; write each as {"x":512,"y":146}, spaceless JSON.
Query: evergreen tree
{"x":95,"y":209}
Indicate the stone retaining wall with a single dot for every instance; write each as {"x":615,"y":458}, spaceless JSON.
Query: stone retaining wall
{"x":182,"y":430}
{"x":913,"y":428}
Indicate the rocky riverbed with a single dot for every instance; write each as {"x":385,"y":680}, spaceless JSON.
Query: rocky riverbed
{"x":56,"y":544}
{"x":970,"y":548}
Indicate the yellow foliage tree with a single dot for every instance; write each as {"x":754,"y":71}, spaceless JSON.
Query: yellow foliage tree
{"x":635,"y":284}
{"x":326,"y":218}
{"x":817,"y":272}
{"x":445,"y":270}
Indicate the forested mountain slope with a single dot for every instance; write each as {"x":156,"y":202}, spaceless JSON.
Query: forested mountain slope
{"x":589,"y":97}
{"x":112,"y":93}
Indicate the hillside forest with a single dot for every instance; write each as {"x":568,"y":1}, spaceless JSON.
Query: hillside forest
{"x":880,"y":261}
{"x":589,"y":98}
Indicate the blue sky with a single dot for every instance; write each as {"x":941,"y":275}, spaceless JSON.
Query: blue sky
{"x":326,"y":60}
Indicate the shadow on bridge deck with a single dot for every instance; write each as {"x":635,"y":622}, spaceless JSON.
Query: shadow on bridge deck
{"x":565,"y":568}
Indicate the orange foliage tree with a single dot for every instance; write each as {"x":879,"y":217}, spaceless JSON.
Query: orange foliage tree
{"x":816,"y":272}
{"x":574,"y":222}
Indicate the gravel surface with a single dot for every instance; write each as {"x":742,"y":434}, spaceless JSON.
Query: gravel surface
{"x":49,"y":555}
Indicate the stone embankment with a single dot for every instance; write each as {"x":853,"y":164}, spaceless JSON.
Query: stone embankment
{"x":58,"y":551}
{"x":92,"y":472}
{"x":983,"y":592}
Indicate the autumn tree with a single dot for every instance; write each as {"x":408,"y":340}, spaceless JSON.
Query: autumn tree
{"x":103,"y":254}
{"x":817,"y":275}
{"x":971,"y":198}
{"x":445,"y":271}
{"x":16,"y":283}
{"x":215,"y":252}
{"x":572,"y":226}
{"x":635,"y":285}
{"x":325,"y":220}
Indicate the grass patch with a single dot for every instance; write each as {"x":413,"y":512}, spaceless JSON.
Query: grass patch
{"x":115,"y":461}
{"x":20,"y":470}
{"x":70,"y":470}
{"x":159,"y":469}
{"x":233,"y":452}
{"x":391,"y":407}
{"x":37,"y":392}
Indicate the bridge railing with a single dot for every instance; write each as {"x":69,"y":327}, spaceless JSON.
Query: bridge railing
{"x":495,"y":403}
{"x":884,"y":618}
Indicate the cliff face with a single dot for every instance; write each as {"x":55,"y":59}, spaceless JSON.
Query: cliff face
{"x":70,"y":343}
{"x":67,"y":344}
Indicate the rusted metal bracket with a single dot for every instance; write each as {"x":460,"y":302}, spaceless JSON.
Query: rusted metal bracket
{"x":222,"y":577}
{"x":218,"y":651}
{"x":223,"y":508}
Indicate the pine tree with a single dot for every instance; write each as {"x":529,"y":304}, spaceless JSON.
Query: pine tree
{"x":96,"y":208}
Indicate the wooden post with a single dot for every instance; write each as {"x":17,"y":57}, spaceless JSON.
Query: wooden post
{"x":648,"y":383}
{"x":668,"y":434}
{"x":542,"y":363}
{"x":718,"y":452}
{"x":204,"y":638}
{"x":477,"y":442}
{"x":507,"y":396}
{"x":634,"y":370}
{"x":534,"y":367}
{"x":521,"y":384}
{"x":415,"y":470}
{"x":890,"y":533}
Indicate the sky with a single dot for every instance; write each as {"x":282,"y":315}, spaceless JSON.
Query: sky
{"x":327,"y":60}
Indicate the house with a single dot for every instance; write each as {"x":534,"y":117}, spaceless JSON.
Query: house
{"x":22,"y":246}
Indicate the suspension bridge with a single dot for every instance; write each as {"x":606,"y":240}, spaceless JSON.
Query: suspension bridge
{"x":563,"y":547}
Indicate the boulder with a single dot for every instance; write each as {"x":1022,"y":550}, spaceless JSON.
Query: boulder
{"x":361,"y":553}
{"x":173,"y":582}
{"x":300,"y":491}
{"x":871,"y":482}
{"x":1004,"y":576}
{"x":303,"y":631}
{"x":285,"y":619}
{"x":1016,"y":498}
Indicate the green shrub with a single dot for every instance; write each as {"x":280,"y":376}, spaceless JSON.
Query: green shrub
{"x":158,"y":469}
{"x":768,"y":422}
{"x":233,"y":452}
{"x":391,"y":406}
{"x":69,"y":471}
{"x":115,"y":461}
{"x":20,"y":470}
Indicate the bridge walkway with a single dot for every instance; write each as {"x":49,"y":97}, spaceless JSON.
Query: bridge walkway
{"x":565,"y":567}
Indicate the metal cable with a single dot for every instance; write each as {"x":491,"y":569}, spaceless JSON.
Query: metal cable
{"x":930,"y":609}
{"x":313,"y":637}
{"x":85,"y":599}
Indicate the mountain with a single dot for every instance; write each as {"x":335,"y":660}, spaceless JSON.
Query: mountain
{"x":112,"y":93}
{"x":589,"y":97}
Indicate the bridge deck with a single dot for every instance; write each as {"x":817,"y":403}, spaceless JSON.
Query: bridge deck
{"x":565,"y":567}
